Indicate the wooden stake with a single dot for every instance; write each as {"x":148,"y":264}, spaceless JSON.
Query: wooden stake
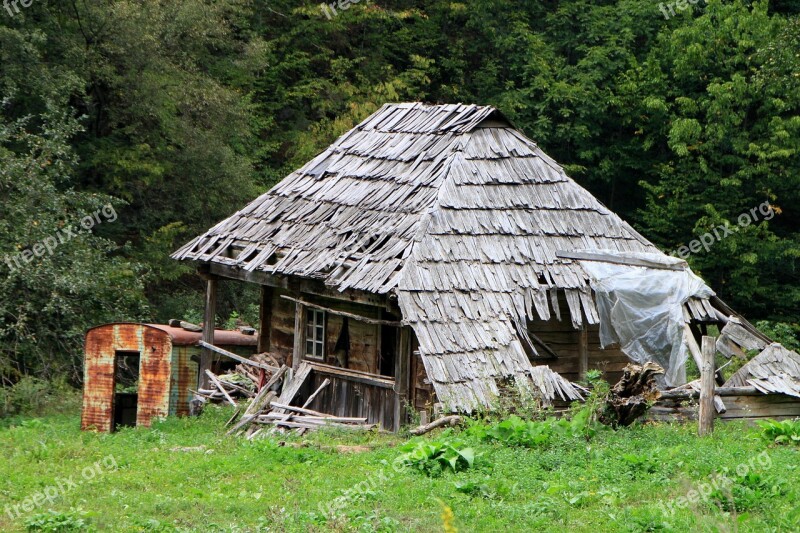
{"x":316,"y":392}
{"x":707,"y":385}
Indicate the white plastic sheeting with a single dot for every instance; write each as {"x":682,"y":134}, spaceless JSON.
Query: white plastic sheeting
{"x":641,"y":309}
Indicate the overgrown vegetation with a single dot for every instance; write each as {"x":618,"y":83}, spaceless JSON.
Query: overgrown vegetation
{"x":184,"y":475}
{"x":783,"y":432}
{"x":435,"y":457}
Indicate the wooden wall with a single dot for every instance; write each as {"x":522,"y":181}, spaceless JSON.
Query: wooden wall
{"x":351,"y":395}
{"x":281,"y":332}
{"x":565,"y":340}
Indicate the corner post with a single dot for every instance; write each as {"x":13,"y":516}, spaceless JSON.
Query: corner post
{"x":707,"y":383}
{"x":208,"y":328}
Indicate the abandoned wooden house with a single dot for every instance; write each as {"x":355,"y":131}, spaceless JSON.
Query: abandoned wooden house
{"x":433,"y":255}
{"x":135,"y":373}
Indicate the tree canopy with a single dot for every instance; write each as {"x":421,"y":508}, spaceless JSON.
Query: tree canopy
{"x":177,"y":112}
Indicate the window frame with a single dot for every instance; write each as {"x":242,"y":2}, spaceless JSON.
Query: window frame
{"x":315,"y":323}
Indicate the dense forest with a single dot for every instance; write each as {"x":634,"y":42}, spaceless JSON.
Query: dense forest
{"x":127,"y":127}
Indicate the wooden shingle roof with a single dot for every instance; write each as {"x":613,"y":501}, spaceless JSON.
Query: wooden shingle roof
{"x":452,"y":209}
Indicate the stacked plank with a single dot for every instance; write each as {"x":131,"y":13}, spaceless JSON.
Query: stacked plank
{"x":227,"y":388}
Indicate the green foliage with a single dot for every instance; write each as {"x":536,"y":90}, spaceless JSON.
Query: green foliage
{"x":783,"y":432}
{"x":436,"y":457}
{"x":183,"y":474}
{"x":50,"y":299}
{"x":786,"y":334}
{"x":60,"y":522}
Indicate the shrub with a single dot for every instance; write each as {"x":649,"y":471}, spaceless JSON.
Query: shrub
{"x":435,"y":457}
{"x":784,"y":432}
{"x":55,"y":522}
{"x":515,"y":431}
{"x":35,"y":397}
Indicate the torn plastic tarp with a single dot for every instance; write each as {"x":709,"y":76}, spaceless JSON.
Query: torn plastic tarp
{"x":641,"y":309}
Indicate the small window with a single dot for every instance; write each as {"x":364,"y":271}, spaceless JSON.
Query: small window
{"x":315,"y":334}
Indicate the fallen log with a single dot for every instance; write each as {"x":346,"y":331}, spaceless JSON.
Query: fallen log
{"x":451,"y":420}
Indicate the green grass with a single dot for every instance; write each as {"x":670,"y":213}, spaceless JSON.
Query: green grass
{"x":184,"y":475}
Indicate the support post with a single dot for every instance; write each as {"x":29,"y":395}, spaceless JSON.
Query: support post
{"x":299,"y":335}
{"x":583,"y":352}
{"x":401,"y":375}
{"x":707,"y":384}
{"x":208,"y":330}
{"x":264,"y":319}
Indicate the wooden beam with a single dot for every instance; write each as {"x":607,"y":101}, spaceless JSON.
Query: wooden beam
{"x":360,"y":318}
{"x":264,"y":318}
{"x":401,"y":375}
{"x":353,"y":375}
{"x":707,"y":384}
{"x":299,"y":348}
{"x":208,"y":331}
{"x":618,"y":260}
{"x":583,"y":352}
{"x":691,"y":342}
{"x":296,"y":283}
{"x":686,"y":394}
{"x":207,"y":346}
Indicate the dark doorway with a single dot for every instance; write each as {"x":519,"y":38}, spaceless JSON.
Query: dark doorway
{"x":388,"y":350}
{"x":126,"y":388}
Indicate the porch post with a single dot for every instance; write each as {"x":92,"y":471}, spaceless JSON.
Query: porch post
{"x":208,"y":329}
{"x":299,"y":335}
{"x":401,"y":375}
{"x":583,"y":352}
{"x":264,"y":319}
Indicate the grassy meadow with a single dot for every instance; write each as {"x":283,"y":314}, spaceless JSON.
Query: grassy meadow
{"x":185,"y":475}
